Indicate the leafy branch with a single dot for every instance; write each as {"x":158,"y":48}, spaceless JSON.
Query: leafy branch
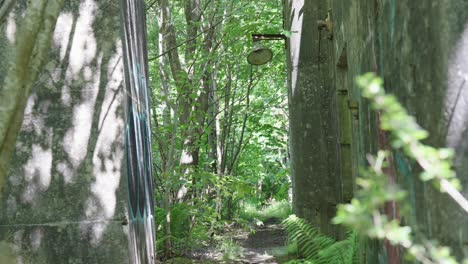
{"x":363,"y":213}
{"x":407,"y":135}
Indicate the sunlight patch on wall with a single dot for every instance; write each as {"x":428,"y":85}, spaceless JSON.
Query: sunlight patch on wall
{"x":82,"y":57}
{"x":62,"y":37}
{"x":108,"y":156}
{"x":116,"y":72}
{"x":37,"y":173}
{"x":295,"y":40}
{"x":11,"y":28}
{"x":62,"y":32}
{"x":84,"y":45}
{"x":75,"y":142}
{"x":35,"y":115}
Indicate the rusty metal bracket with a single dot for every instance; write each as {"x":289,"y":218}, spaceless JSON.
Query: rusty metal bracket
{"x":326,"y":24}
{"x":261,"y":37}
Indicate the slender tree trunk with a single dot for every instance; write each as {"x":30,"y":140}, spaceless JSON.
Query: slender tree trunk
{"x":167,"y":203}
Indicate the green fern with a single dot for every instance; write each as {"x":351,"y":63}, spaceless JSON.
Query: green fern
{"x":317,"y":248}
{"x":344,"y":251}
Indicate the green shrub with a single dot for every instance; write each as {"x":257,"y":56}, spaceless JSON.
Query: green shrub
{"x":181,"y":235}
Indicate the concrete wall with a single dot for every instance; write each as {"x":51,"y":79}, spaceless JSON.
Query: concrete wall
{"x":420,"y":49}
{"x":313,"y":142}
{"x":65,"y":199}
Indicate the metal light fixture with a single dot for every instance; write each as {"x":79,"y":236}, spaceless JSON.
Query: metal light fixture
{"x":260,"y":54}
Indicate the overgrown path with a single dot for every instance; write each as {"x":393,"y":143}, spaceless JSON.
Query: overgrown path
{"x":266,"y":244}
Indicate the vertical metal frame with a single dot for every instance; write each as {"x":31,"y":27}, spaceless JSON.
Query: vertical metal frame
{"x":138,"y":132}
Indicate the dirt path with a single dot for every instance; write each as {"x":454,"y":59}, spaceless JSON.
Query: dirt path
{"x":260,"y":246}
{"x":265,"y":245}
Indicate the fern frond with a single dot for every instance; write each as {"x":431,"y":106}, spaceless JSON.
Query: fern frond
{"x":354,"y":239}
{"x":310,"y":241}
{"x":339,"y":252}
{"x":318,"y":248}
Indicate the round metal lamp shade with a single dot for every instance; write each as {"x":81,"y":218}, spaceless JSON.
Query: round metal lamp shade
{"x":260,"y":55}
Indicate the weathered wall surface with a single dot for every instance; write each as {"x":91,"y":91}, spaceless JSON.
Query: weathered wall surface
{"x":420,"y":48}
{"x":312,"y":104}
{"x":65,"y":198}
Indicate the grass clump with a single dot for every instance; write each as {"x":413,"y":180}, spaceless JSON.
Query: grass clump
{"x":275,"y":210}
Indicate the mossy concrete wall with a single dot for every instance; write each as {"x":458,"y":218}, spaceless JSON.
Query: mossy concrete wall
{"x":420,"y":48}
{"x":65,"y":199}
{"x":313,"y":141}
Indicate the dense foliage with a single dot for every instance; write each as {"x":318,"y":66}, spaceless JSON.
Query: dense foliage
{"x":220,"y":137}
{"x":220,"y":125}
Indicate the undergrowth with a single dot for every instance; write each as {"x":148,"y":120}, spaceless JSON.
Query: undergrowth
{"x":230,"y":250}
{"x":317,"y":248}
{"x":275,"y":210}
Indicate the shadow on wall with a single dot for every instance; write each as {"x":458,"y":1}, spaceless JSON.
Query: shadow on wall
{"x":65,"y":199}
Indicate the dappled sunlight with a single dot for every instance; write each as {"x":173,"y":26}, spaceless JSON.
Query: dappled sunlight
{"x":35,"y":115}
{"x":37,"y":173}
{"x":295,"y":41}
{"x":75,"y":142}
{"x":82,"y":55}
{"x":84,"y":45}
{"x":62,"y":32}
{"x":258,"y":257}
{"x":109,"y":153}
{"x":11,"y":28}
{"x":69,"y":159}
